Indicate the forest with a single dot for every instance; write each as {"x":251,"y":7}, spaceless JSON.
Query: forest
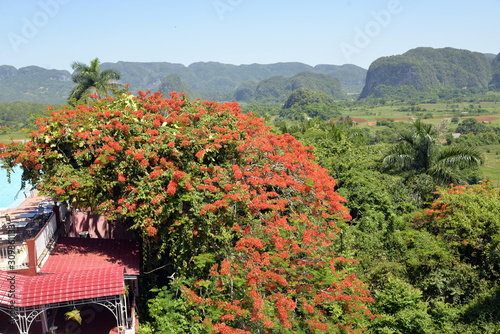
{"x":311,"y":214}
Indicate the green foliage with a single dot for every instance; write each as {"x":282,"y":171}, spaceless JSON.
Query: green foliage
{"x":472,"y":229}
{"x":472,"y":125}
{"x":225,"y":82}
{"x":304,"y":103}
{"x":303,"y":96}
{"x":17,"y":115}
{"x":74,"y":315}
{"x":495,"y":81}
{"x":264,"y":111}
{"x":171,"y":313}
{"x":173,"y":83}
{"x":423,"y":282}
{"x":481,"y":139}
{"x":482,"y":314}
{"x":402,"y":308}
{"x":350,"y":76}
{"x":245,"y":91}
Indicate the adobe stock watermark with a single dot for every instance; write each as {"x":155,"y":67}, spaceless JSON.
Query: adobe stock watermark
{"x":11,"y":247}
{"x":11,"y":295}
{"x":365,"y":35}
{"x":224,"y":6}
{"x":31,"y":26}
{"x":11,"y":256}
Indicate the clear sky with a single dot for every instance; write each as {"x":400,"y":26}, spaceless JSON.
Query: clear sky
{"x":54,"y":33}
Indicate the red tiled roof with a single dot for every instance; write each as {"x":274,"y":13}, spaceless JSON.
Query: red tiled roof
{"x":60,"y":287}
{"x":71,"y":254}
{"x":77,"y":268}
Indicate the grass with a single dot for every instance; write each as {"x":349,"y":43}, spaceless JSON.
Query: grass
{"x":13,"y":136}
{"x":491,"y":168}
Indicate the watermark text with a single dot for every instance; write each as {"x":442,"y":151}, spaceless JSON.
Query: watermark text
{"x":364,"y":35}
{"x":31,"y":26}
{"x":223,"y":6}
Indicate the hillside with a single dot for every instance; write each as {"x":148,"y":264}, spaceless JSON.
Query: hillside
{"x":427,"y":70}
{"x":34,"y":84}
{"x":495,"y":66}
{"x":214,"y":76}
{"x":277,"y":89}
{"x":421,"y":72}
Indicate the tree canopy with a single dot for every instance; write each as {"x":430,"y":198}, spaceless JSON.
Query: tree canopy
{"x":246,"y":219}
{"x":304,"y":103}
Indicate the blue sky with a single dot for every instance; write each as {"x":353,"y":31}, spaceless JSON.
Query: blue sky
{"x":54,"y":33}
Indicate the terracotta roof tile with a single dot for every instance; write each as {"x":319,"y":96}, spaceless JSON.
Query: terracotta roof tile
{"x":59,"y":287}
{"x":71,"y":254}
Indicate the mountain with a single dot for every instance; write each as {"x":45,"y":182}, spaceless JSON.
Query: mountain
{"x":34,"y":84}
{"x":278,"y":88}
{"x":495,"y":66}
{"x":427,"y":70}
{"x":207,"y":79}
{"x":351,"y":77}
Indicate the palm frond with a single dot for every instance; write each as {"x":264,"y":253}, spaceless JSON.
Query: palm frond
{"x":444,"y":175}
{"x":90,"y":79}
{"x":459,"y":156}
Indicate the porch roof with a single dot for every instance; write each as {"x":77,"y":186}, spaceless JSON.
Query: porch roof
{"x":23,"y":291}
{"x":77,"y":268}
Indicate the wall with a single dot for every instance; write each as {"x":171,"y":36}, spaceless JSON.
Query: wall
{"x":97,"y":226}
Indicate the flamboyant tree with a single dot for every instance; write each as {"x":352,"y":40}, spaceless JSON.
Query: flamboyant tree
{"x":245,"y":218}
{"x":468,"y":218}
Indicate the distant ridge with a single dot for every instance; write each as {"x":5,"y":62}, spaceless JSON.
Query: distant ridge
{"x":34,"y":84}
{"x":211,"y":80}
{"x":220,"y":79}
{"x":417,"y":72}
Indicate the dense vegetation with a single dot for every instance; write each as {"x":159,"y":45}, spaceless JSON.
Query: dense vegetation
{"x":304,"y":103}
{"x":15,"y":116}
{"x":90,"y":80}
{"x":431,"y":258}
{"x":495,"y":81}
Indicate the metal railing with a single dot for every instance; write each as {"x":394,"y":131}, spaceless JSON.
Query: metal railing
{"x":45,"y":236}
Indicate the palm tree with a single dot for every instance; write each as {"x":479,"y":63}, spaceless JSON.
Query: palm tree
{"x":419,"y":152}
{"x":91,"y":80}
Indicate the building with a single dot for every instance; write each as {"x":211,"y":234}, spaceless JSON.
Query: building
{"x":46,"y":272}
